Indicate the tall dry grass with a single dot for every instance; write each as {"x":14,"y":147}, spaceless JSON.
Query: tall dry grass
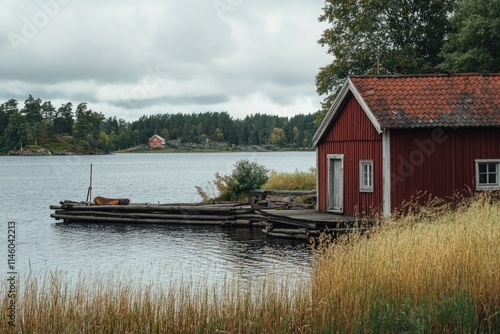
{"x":297,"y":180}
{"x":434,"y":270}
{"x":107,"y":304}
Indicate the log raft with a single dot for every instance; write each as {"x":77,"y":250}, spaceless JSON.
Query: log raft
{"x":278,"y":217}
{"x":233,"y":214}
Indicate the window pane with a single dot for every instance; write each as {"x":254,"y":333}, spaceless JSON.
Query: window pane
{"x":488,"y":174}
{"x":366,"y":175}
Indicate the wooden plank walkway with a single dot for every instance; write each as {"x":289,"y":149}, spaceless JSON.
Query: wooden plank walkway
{"x":313,"y":219}
{"x":303,"y":224}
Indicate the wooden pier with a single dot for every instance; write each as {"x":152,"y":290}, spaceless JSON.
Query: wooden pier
{"x":296,"y":223}
{"x":306,"y":223}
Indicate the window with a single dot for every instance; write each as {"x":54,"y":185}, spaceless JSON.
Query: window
{"x":487,"y":174}
{"x":366,"y":176}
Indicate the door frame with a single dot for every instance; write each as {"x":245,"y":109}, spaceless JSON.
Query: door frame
{"x":335,"y":186}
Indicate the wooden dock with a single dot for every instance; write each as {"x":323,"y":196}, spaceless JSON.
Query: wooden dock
{"x":292,"y":223}
{"x":302,"y":224}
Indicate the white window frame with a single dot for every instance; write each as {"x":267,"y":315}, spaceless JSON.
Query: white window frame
{"x":363,"y":187}
{"x":488,"y":186}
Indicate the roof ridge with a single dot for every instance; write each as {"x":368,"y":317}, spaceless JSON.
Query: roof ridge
{"x":423,"y":75}
{"x":421,"y":101}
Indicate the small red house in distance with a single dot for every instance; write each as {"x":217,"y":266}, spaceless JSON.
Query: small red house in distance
{"x":386,"y":138}
{"x":156,"y":142}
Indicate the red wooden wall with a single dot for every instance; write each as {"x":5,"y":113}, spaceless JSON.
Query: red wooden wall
{"x":353,"y":135}
{"x":440,"y":161}
{"x":155,"y":141}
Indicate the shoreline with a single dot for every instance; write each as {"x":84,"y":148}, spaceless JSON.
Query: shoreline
{"x":46,"y":152}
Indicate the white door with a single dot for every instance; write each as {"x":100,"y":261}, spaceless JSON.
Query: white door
{"x":336,"y":183}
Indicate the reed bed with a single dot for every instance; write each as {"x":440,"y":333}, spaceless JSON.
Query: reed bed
{"x":107,"y":304}
{"x":433,"y":270}
{"x":297,"y":180}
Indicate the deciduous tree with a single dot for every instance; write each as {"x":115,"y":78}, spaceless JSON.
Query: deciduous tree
{"x":278,"y":136}
{"x":380,"y":36}
{"x":474,"y":43}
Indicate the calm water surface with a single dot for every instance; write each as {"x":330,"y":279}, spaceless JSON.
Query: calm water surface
{"x":29,"y":185}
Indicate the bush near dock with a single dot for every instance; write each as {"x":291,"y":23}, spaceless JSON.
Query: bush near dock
{"x":248,"y":176}
{"x":245,"y":178}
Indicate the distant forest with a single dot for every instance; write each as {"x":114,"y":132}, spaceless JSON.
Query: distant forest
{"x":40,"y":124}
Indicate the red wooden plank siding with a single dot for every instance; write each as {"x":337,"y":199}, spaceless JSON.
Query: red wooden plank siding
{"x":353,"y":135}
{"x":439,"y":161}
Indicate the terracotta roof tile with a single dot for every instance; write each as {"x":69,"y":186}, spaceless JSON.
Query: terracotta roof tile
{"x":459,"y":100}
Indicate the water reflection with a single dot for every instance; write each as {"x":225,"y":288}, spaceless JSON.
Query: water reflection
{"x":173,"y":251}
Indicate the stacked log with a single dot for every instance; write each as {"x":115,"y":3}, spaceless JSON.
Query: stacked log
{"x":270,"y":199}
{"x":290,"y":233}
{"x":194,"y":214}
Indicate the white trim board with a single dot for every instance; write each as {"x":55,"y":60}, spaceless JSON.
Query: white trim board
{"x":386,"y":172}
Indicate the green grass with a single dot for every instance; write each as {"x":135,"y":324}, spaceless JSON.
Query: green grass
{"x":59,"y":146}
{"x":63,"y":145}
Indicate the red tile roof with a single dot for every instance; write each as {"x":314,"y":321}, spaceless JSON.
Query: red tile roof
{"x":458,"y":100}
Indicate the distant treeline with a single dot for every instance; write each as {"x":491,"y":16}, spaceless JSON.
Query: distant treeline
{"x":39,"y":123}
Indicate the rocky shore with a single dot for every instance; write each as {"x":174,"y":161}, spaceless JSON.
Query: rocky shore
{"x":46,"y":152}
{"x":170,"y":148}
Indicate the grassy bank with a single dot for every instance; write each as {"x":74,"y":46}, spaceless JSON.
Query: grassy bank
{"x":435,"y":270}
{"x":297,"y":180}
{"x":432,"y":271}
{"x":61,"y":146}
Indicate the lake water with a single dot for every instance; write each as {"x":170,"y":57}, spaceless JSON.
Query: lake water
{"x":29,"y":185}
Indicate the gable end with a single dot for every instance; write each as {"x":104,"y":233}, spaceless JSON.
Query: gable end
{"x":337,"y":106}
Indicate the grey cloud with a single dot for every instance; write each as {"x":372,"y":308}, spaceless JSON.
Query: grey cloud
{"x":100,"y":51}
{"x":185,"y":100}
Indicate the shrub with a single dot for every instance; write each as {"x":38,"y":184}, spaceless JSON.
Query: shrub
{"x":245,"y":178}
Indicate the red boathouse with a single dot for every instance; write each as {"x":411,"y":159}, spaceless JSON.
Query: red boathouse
{"x":156,"y":142}
{"x":386,"y":138}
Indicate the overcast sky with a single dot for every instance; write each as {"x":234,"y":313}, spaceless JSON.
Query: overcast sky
{"x":130,"y":58}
